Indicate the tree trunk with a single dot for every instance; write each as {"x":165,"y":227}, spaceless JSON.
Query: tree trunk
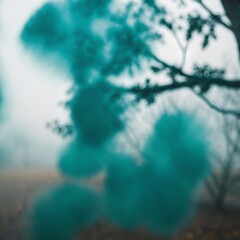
{"x":232,"y":9}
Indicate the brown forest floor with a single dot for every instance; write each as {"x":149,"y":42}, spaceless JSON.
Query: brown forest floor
{"x":207,"y":225}
{"x":17,"y":189}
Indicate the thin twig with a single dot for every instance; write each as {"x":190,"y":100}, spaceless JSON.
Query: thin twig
{"x":217,"y":108}
{"x":216,"y":17}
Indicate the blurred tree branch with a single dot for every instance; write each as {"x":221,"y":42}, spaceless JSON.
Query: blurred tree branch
{"x":216,"y":17}
{"x":192,"y":80}
{"x":232,"y":9}
{"x":224,"y":179}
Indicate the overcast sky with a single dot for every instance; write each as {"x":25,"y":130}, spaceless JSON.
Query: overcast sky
{"x":33,"y":89}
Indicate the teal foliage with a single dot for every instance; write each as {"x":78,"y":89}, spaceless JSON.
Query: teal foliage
{"x":86,"y":9}
{"x":46,"y":29}
{"x":62,"y":212}
{"x":81,"y":160}
{"x":127,"y":47}
{"x":152,"y":5}
{"x":206,"y":71}
{"x":96,"y":114}
{"x":202,"y":26}
{"x":158,"y":193}
{"x":67,"y":29}
{"x":179,"y":142}
{"x":122,"y":195}
{"x":86,"y":57}
{"x":167,"y":200}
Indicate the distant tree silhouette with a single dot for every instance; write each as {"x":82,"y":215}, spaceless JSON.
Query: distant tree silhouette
{"x":225,"y":178}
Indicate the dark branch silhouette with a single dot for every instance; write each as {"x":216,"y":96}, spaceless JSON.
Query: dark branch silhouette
{"x":216,"y":17}
{"x":189,"y":82}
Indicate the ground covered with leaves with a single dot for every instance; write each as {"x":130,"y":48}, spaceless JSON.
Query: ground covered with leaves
{"x":17,"y":189}
{"x":207,"y":225}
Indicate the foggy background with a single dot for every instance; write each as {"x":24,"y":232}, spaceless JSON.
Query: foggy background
{"x":32,"y":92}
{"x":33,"y":88}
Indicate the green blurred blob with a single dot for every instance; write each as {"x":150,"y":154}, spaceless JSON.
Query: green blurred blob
{"x":55,"y":29}
{"x":179,"y":142}
{"x":160,"y":193}
{"x":96,"y":114}
{"x":122,"y":193}
{"x":129,"y":45}
{"x":86,"y":56}
{"x":62,"y":212}
{"x":46,"y":29}
{"x":167,"y":200}
{"x":88,"y":9}
{"x":67,"y":28}
{"x":143,"y":195}
{"x":80,"y":160}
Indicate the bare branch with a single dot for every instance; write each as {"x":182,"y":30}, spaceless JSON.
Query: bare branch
{"x":190,"y":81}
{"x":216,"y":17}
{"x":217,"y":108}
{"x":183,"y":48}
